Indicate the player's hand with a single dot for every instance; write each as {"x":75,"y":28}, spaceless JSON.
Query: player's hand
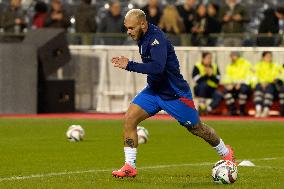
{"x":120,"y":62}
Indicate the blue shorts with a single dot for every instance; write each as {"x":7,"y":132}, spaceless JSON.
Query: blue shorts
{"x":182,"y":109}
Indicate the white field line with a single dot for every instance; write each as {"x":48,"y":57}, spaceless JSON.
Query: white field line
{"x":13,"y":178}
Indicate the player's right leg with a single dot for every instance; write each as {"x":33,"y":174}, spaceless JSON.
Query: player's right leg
{"x":210,"y":136}
{"x":183,"y":110}
{"x":143,"y":106}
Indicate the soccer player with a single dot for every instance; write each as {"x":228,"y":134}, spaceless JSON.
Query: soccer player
{"x":166,"y":90}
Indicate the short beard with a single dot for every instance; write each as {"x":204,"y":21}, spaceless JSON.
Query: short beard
{"x":141,"y":34}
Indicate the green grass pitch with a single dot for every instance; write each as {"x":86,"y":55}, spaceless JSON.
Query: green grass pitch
{"x":36,"y":154}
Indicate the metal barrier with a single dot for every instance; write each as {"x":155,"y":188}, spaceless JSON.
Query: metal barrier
{"x":213,"y":39}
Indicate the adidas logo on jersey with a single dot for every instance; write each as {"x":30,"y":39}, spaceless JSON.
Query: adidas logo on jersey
{"x":155,"y":42}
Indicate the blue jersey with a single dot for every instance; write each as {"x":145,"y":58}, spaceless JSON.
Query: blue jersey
{"x":161,"y":65}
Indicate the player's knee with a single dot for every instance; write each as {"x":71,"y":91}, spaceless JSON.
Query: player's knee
{"x":130,"y":121}
{"x":195,"y":128}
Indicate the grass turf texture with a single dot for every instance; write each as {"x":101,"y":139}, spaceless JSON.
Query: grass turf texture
{"x":39,"y":147}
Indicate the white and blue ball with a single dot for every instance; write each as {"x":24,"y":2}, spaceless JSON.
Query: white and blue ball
{"x":143,"y":135}
{"x":224,"y":172}
{"x":75,"y":133}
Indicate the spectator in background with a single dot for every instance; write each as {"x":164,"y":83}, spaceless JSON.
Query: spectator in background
{"x":171,"y":23}
{"x":57,"y":17}
{"x":85,"y":17}
{"x":199,"y":28}
{"x":113,"y":22}
{"x":233,"y":17}
{"x":203,"y":26}
{"x":153,"y":12}
{"x":13,"y":18}
{"x":85,"y":22}
{"x":237,"y":82}
{"x":269,"y":26}
{"x":213,"y":25}
{"x":138,"y":3}
{"x":266,"y":73}
{"x":206,"y":76}
{"x":40,"y":15}
{"x":187,"y":12}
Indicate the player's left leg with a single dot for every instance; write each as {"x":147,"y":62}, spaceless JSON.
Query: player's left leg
{"x":183,"y":110}
{"x":132,"y":118}
{"x":143,"y":106}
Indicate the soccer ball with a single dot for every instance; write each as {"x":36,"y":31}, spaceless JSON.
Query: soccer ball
{"x":75,"y":133}
{"x":224,"y":172}
{"x":143,"y":135}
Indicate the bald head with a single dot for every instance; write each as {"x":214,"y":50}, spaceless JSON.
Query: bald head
{"x":135,"y":23}
{"x":136,"y":14}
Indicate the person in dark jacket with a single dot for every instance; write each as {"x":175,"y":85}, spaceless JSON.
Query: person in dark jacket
{"x":187,"y":12}
{"x":166,"y":90}
{"x":203,"y":26}
{"x":57,"y":17}
{"x":40,"y":15}
{"x":233,"y":17}
{"x":269,"y":26}
{"x":213,"y":24}
{"x":85,"y":17}
{"x":153,"y":12}
{"x":198,"y":29}
{"x":112,"y":23}
{"x":13,"y":18}
{"x":85,"y":22}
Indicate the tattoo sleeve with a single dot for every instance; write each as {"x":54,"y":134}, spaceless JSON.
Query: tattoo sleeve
{"x":207,"y":133}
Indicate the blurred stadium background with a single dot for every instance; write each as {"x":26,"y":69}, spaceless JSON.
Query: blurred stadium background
{"x":91,"y":84}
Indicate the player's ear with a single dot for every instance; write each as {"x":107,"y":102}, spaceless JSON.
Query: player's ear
{"x":143,"y":25}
